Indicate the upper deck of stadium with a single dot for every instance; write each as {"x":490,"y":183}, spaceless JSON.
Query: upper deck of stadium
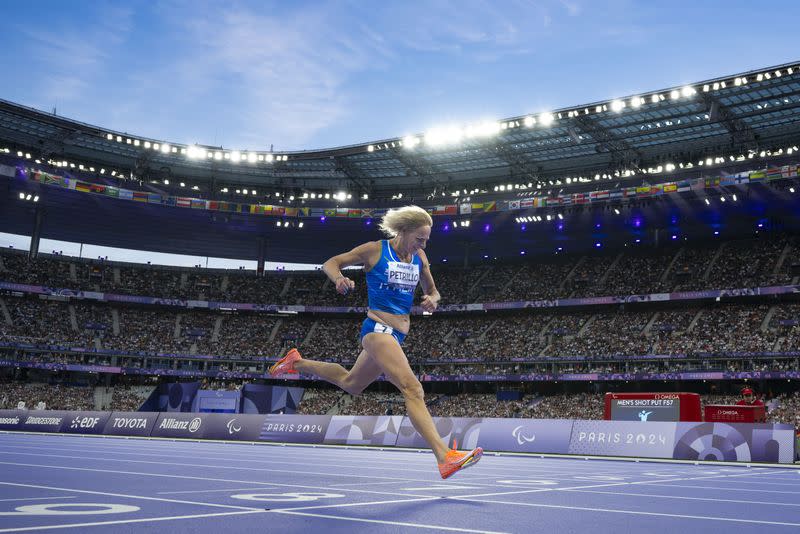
{"x":660,"y":132}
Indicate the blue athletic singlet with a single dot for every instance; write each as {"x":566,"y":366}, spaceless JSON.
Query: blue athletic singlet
{"x":391,"y":282}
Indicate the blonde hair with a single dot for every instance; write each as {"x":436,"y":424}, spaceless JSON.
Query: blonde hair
{"x":405,"y":219}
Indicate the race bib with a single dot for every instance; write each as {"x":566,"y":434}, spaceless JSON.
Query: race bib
{"x":402,"y":276}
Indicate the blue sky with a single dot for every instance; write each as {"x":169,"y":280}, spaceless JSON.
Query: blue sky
{"x":303,"y":75}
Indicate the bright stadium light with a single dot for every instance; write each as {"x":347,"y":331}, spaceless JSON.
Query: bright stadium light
{"x":269,"y":158}
{"x":546,"y":119}
{"x":36,"y":198}
{"x":617,"y":105}
{"x":529,"y":121}
{"x":22,"y":196}
{"x":251,"y":157}
{"x":236,"y":156}
{"x":443,"y":136}
{"x":194,"y":152}
{"x":165,"y":148}
{"x":410,"y":141}
{"x":300,"y":224}
{"x":636,"y":102}
{"x":688,"y":91}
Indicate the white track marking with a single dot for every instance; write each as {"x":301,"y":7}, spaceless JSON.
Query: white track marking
{"x":124,"y":521}
{"x":211,"y":490}
{"x":107,"y":494}
{"x":722,"y":489}
{"x":632,"y":512}
{"x":769,"y":503}
{"x":395,"y":523}
{"x":189,"y":477}
{"x":36,"y":498}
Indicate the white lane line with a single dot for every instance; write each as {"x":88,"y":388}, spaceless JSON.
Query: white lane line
{"x":632,"y":512}
{"x":126,"y":521}
{"x":352,"y":504}
{"x":394,"y":523}
{"x":339,"y":462}
{"x":37,"y":498}
{"x":189,"y":477}
{"x":769,"y":503}
{"x":718,"y":488}
{"x":612,"y":484}
{"x":107,"y":494}
{"x":210,"y":490}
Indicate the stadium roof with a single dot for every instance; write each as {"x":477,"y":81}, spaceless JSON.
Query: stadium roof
{"x":623,"y":139}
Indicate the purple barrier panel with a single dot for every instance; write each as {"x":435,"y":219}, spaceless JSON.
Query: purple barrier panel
{"x":11,"y":419}
{"x":735,"y":442}
{"x":178,"y":425}
{"x":85,"y":422}
{"x":526,"y":435}
{"x":295,"y":428}
{"x":363,"y":430}
{"x":623,"y":438}
{"x":43,"y":421}
{"x":130,"y":423}
{"x":462,"y":430}
{"x":245,"y":427}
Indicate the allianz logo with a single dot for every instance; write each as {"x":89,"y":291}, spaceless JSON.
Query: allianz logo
{"x":129,"y":422}
{"x":176,"y":424}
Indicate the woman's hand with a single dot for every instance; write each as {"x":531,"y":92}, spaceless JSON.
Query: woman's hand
{"x":430,"y":303}
{"x":344,"y":285}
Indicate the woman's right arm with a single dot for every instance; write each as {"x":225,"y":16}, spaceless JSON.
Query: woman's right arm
{"x":363,"y":254}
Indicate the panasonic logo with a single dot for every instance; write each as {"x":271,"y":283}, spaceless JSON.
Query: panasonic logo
{"x":9,"y":420}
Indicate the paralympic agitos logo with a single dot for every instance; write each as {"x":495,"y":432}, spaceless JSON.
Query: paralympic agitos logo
{"x":522,"y":439}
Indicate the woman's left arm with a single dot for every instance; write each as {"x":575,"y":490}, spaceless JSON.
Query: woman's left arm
{"x":431,"y":296}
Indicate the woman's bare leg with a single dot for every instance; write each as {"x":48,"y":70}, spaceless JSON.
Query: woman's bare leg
{"x":363,"y":373}
{"x":387,"y":353}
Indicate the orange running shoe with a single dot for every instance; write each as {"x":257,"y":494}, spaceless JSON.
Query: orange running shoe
{"x":285,"y":364}
{"x":456,"y":461}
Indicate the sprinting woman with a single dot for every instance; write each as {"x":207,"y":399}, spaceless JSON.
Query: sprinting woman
{"x":394,"y":266}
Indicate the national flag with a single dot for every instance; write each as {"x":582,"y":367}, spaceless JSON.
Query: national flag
{"x":126,"y":194}
{"x":112,"y":191}
{"x":513,"y":204}
{"x":341,"y":212}
{"x":140,"y":196}
{"x":367,"y":212}
{"x":277,"y":210}
{"x":292,"y":212}
{"x":757,"y":176}
{"x":97,"y":188}
{"x":566,"y":200}
{"x":465,"y":209}
{"x":580,"y":198}
{"x":83,"y":187}
{"x":198,"y":204}
{"x":330,"y":213}
{"x":773,"y":172}
{"x":154,"y":198}
{"x":643,"y":191}
{"x":712,"y":182}
{"x":788,"y":171}
{"x":629,"y":192}
{"x":170,"y":201}
{"x":489,"y":206}
{"x":8,"y":170}
{"x":526,"y":203}
{"x":684,"y":185}
{"x":670,"y":188}
{"x":213,"y":205}
{"x":554,"y":201}
{"x":183,"y":202}
{"x":354,"y":213}
{"x":617,"y":193}
{"x":304,"y":212}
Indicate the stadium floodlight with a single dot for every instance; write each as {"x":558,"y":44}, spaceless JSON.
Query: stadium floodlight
{"x":269,"y":158}
{"x":410,"y":141}
{"x":636,"y":102}
{"x":22,"y":196}
{"x":194,"y":152}
{"x":244,"y":191}
{"x":28,"y":197}
{"x":286,"y":224}
{"x":722,"y":199}
{"x":546,"y":119}
{"x":253,"y":192}
{"x":370,"y":148}
{"x":443,"y":136}
{"x":327,"y":196}
{"x":654,"y":99}
{"x":365,"y":196}
{"x":529,"y":121}
{"x":195,"y":188}
{"x":110,"y":137}
{"x":483,"y":129}
{"x":165,"y":148}
{"x":616,"y":211}
{"x":36,"y":198}
{"x":217,"y":156}
{"x":300,"y":224}
{"x":236,"y":156}
{"x":560,"y":217}
{"x":278,"y":224}
{"x":734,"y":198}
{"x":313,"y":196}
{"x":674,"y":94}
{"x":617,"y":105}
{"x":183,"y":184}
{"x":688,"y":91}
{"x":251,"y":157}
{"x":166,"y":182}
{"x":548,"y":217}
{"x":791,"y":189}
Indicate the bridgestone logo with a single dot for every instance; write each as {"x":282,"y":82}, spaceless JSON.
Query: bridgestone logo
{"x":125,"y":422}
{"x":9,"y":420}
{"x":43,"y":421}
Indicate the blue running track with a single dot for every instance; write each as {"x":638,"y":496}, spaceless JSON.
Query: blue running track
{"x":85,"y":484}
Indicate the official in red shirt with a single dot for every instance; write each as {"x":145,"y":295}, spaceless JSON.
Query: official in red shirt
{"x":748,"y":399}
